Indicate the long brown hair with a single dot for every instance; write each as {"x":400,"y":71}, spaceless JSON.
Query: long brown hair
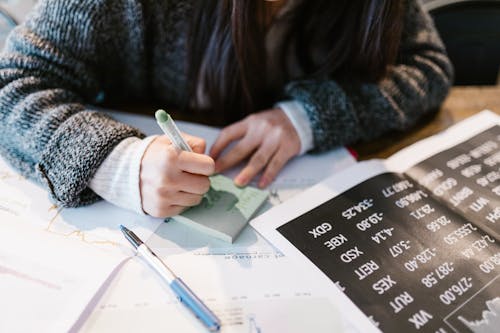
{"x":227,"y":51}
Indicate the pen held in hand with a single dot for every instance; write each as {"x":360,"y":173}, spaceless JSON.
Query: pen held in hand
{"x":226,"y":208}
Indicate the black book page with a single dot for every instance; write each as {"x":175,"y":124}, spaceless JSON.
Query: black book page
{"x":466,"y":178}
{"x":409,"y":261}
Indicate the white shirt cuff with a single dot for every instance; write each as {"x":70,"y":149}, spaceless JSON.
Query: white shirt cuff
{"x":300,"y":121}
{"x":117,"y":179}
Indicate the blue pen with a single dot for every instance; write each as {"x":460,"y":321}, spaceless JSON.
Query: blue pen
{"x":184,"y":294}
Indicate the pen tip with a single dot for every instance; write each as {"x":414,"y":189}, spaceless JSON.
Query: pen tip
{"x":122,"y":228}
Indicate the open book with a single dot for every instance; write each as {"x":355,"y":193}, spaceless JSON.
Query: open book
{"x":410,"y":243}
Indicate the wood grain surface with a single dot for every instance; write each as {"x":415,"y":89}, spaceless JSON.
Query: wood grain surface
{"x":461,"y":103}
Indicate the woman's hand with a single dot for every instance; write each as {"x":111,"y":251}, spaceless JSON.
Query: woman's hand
{"x":268,"y":138}
{"x":172,"y":180}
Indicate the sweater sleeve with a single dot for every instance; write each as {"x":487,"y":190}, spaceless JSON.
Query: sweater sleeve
{"x":50,"y":68}
{"x":348,"y":112}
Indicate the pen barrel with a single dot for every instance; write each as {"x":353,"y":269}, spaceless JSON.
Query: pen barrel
{"x":184,"y":294}
{"x":195,"y":304}
{"x":156,"y":264}
{"x":173,"y":133}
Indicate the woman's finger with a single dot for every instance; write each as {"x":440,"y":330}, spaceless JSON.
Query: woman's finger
{"x":186,"y":199}
{"x":238,"y":153}
{"x":173,"y":210}
{"x":194,"y":184}
{"x":194,"y":163}
{"x":162,"y":210}
{"x":277,"y":163}
{"x":258,"y":161}
{"x":226,"y":136}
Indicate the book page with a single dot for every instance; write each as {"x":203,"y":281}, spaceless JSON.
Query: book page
{"x":406,"y":260}
{"x":466,"y":179}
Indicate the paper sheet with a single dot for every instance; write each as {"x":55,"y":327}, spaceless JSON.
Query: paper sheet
{"x":247,"y":285}
{"x":97,"y":224}
{"x":47,"y":280}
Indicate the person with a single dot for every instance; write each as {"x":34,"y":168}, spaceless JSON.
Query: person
{"x":287,"y":77}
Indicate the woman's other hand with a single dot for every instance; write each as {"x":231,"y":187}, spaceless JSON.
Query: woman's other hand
{"x":172,"y":180}
{"x":267,"y":138}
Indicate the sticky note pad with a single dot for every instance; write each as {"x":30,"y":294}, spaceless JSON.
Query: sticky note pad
{"x":225,"y":209}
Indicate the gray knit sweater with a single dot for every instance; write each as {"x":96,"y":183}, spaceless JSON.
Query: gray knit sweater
{"x":71,"y":53}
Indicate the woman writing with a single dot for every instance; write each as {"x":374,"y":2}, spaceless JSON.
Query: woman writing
{"x":287,"y":77}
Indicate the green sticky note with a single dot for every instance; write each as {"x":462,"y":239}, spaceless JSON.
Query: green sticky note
{"x":225,"y":209}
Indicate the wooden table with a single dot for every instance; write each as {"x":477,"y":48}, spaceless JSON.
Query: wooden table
{"x":461,"y":103}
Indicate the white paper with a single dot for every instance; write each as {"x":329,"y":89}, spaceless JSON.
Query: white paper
{"x":97,"y":224}
{"x":46,"y":280}
{"x":232,"y":288}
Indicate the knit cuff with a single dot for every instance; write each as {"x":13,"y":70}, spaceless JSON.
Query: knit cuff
{"x":75,"y":151}
{"x":329,"y":110}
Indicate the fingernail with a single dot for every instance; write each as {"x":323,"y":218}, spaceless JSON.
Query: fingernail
{"x":263,"y":182}
{"x":241,"y":181}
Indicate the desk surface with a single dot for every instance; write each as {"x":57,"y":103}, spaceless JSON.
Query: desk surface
{"x":461,"y":103}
